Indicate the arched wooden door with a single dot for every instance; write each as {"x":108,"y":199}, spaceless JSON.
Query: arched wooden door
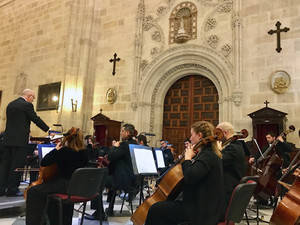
{"x":190,"y":99}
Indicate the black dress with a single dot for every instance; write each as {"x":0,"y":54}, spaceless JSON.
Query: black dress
{"x":203,"y":195}
{"x":67,"y":161}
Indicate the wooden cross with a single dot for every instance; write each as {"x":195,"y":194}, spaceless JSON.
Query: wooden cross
{"x":114,"y":60}
{"x":278,"y":31}
{"x":266,"y":103}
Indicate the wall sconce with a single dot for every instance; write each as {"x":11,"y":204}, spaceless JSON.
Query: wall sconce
{"x":74,"y":105}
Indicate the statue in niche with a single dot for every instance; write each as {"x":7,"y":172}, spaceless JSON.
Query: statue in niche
{"x":20,"y":84}
{"x":183,"y":23}
{"x":111,"y":95}
{"x":280,"y":81}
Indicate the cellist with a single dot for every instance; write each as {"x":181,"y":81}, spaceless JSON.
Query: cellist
{"x":203,"y":194}
{"x":68,"y":155}
{"x":233,"y":158}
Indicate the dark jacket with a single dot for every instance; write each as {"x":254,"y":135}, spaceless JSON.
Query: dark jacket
{"x":203,"y":194}
{"x":282,"y":149}
{"x":234,"y":166}
{"x":67,"y":160}
{"x":120,"y":163}
{"x":19,"y":114}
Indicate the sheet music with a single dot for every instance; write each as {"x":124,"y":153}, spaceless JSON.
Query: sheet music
{"x":46,"y":150}
{"x":160,"y":159}
{"x":144,"y":161}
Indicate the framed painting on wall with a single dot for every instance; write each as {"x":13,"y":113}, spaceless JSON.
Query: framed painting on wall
{"x":48,"y":96}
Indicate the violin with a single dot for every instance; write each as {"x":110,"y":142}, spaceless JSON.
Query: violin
{"x":171,"y":183}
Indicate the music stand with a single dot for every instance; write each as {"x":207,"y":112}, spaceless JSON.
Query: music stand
{"x":143,"y":163}
{"x":159,"y":158}
{"x":43,"y":149}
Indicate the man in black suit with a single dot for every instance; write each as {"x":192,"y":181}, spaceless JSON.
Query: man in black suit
{"x":233,"y":158}
{"x":19,"y":114}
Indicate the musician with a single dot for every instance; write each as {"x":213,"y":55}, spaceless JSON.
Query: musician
{"x":233,"y":158}
{"x":121,"y":166}
{"x":68,"y":155}
{"x":19,"y":114}
{"x":203,"y":193}
{"x":142,"y":140}
{"x":167,"y":154}
{"x":281,"y":148}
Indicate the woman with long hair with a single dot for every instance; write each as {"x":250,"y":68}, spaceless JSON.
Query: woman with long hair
{"x":68,"y":155}
{"x":203,"y":196}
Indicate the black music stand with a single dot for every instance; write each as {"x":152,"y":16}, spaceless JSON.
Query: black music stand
{"x":143,"y":164}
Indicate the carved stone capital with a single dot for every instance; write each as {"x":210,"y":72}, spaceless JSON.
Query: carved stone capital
{"x":237,"y":97}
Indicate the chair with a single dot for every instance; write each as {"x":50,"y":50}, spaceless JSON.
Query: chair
{"x":239,"y":200}
{"x":85,"y":185}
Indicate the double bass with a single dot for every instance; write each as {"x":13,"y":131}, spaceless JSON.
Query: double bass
{"x":171,"y":183}
{"x":267,"y":182}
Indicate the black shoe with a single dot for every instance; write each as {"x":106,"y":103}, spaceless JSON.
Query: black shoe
{"x":15,"y":194}
{"x":95,"y":216}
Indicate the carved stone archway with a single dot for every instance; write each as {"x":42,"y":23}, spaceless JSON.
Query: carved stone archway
{"x":172,"y":65}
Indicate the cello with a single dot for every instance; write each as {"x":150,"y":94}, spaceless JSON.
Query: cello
{"x":288,"y":210}
{"x":267,"y":182}
{"x":171,"y":183}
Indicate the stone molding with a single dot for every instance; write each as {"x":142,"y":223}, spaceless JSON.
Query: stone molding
{"x":173,"y":64}
{"x":5,"y":2}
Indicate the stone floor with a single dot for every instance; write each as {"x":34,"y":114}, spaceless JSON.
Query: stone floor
{"x":15,"y":215}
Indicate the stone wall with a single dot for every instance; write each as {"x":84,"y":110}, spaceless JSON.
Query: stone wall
{"x":260,"y":59}
{"x":32,"y":45}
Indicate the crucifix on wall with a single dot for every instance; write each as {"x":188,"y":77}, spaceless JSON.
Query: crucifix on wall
{"x":278,"y":31}
{"x":114,"y":60}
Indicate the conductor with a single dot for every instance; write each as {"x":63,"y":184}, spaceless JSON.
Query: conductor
{"x":19,"y":114}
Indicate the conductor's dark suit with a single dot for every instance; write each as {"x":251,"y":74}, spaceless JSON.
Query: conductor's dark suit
{"x":19,"y":114}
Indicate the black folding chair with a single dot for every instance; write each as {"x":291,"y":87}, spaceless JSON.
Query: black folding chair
{"x":238,"y":203}
{"x":85,"y":185}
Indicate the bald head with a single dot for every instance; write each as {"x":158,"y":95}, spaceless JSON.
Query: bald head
{"x":28,"y":95}
{"x":227,"y":129}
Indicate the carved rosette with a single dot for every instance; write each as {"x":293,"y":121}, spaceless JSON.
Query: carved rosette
{"x":225,"y":8}
{"x":161,"y":11}
{"x":211,"y":23}
{"x":148,"y":23}
{"x":226,"y":50}
{"x":156,"y":36}
{"x":154,"y":51}
{"x":213,"y":40}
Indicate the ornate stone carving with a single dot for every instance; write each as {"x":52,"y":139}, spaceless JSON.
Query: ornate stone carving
{"x":162,"y":10}
{"x":211,"y":23}
{"x":154,"y":51}
{"x":213,"y":41}
{"x":225,"y":8}
{"x":111,"y":95}
{"x":148,"y":23}
{"x":156,"y":36}
{"x":280,"y":81}
{"x":143,"y":65}
{"x":183,"y":22}
{"x":237,"y":97}
{"x":226,"y":49}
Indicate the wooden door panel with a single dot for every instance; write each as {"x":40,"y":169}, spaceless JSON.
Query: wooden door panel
{"x":190,"y":99}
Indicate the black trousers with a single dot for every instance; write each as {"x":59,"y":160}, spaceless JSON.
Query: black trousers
{"x":12,"y":157}
{"x":166,"y":213}
{"x":37,"y":200}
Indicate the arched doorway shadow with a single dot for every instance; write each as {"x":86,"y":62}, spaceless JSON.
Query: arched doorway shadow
{"x":171,"y":66}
